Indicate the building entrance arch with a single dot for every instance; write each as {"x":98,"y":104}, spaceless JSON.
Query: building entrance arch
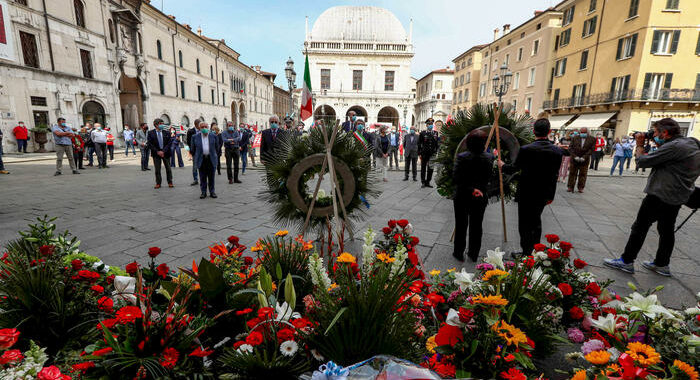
{"x":325,"y":112}
{"x":388,"y":115}
{"x":93,"y":112}
{"x":131,"y":100}
{"x":359,"y":112}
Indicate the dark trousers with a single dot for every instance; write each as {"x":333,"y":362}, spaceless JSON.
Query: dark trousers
{"x":426,"y":172}
{"x":595,"y":160}
{"x":469,"y":213}
{"x":244,"y":159}
{"x":22,"y":146}
{"x":653,"y":210}
{"x":232,"y":155}
{"x":629,"y":161}
{"x":206,"y":176}
{"x":394,"y":156}
{"x":530,"y":223}
{"x":101,"y":151}
{"x":218,"y":162}
{"x":145,"y":151}
{"x":578,"y":172}
{"x":178,"y":152}
{"x":110,"y":148}
{"x":2,"y":165}
{"x":90,"y":152}
{"x":411,"y":161}
{"x":157,"y":161}
{"x":78,"y":158}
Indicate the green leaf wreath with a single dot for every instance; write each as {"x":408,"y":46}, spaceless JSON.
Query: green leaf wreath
{"x":466,"y":121}
{"x":291,"y":150}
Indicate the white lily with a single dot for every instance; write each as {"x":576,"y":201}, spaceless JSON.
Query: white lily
{"x":285,"y":312}
{"x":124,"y":288}
{"x":453,"y":318}
{"x":539,"y":275}
{"x":693,"y":311}
{"x":464,"y":279}
{"x":495,"y":258}
{"x":648,"y":305}
{"x":607,"y":323}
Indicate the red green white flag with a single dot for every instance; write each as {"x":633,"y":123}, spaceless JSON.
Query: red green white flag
{"x":307,"y":108}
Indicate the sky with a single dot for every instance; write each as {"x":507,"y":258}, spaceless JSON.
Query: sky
{"x":268,"y":32}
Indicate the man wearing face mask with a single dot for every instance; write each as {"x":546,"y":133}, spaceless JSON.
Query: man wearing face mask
{"x":22,"y":136}
{"x":188,"y":139}
{"x":246,"y":134}
{"x":99,"y":139}
{"x":675,"y":167}
{"x":142,"y":141}
{"x":232,"y":138}
{"x":62,"y":137}
{"x":410,"y":152}
{"x":270,"y":138}
{"x":204,"y":151}
{"x":394,"y":138}
{"x":159,"y":143}
{"x":350,"y":124}
{"x":581,"y":149}
{"x":428,"y":142}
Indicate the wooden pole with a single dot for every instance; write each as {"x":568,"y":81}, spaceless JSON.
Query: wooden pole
{"x":313,"y":198}
{"x":500,"y":173}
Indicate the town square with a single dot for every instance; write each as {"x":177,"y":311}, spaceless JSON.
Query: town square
{"x":368,"y":191}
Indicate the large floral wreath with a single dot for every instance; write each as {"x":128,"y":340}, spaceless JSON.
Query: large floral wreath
{"x":292,"y":170}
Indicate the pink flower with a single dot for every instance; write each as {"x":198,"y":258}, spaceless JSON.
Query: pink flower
{"x":575,"y":335}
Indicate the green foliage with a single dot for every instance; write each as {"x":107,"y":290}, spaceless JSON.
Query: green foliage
{"x":279,"y":255}
{"x":292,"y":149}
{"x":89,"y":261}
{"x":263,"y":363}
{"x":466,"y":121}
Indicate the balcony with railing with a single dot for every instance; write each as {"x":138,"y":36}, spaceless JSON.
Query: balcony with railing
{"x":677,"y":95}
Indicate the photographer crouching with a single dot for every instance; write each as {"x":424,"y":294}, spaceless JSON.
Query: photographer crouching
{"x":675,"y":167}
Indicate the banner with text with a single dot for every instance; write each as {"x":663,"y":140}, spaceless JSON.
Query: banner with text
{"x":7,"y":45}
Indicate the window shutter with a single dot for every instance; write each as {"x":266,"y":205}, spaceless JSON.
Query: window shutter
{"x":583,"y":91}
{"x":585,"y":28}
{"x":563,"y":66}
{"x":655,"y":41}
{"x":594,"y":22}
{"x":612,"y":86}
{"x":633,"y":44}
{"x":620,"y":43}
{"x":668,"y":80}
{"x":674,"y":43}
{"x":626,"y":87}
{"x":697,"y":82}
{"x":697,"y":48}
{"x":647,"y":84}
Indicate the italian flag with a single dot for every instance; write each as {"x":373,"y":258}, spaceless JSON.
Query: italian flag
{"x":307,"y":108}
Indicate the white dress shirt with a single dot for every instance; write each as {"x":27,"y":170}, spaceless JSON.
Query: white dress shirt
{"x":205,"y":144}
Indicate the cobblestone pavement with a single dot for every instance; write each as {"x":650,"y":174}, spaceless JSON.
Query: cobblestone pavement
{"x":117,"y":215}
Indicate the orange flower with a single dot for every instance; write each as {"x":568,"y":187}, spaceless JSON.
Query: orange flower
{"x":257,"y":247}
{"x":494,"y":273}
{"x":643,"y":354}
{"x":333,"y":286}
{"x":598,"y":357}
{"x":688,"y":369}
{"x":218,"y":250}
{"x":383,"y":257}
{"x":282,"y":233}
{"x":490,"y":300}
{"x":430,"y":344}
{"x":511,"y":334}
{"x":580,"y":375}
{"x":612,"y":369}
{"x":346,"y":258}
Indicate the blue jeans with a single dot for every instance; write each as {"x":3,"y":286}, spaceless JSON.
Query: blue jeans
{"x":179,"y":157}
{"x":91,"y":152}
{"x":616,"y":160}
{"x":144,"y":156}
{"x":21,"y":146}
{"x":129,"y":143}
{"x":244,"y":159}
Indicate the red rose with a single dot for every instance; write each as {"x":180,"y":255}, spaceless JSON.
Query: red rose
{"x":540,"y":247}
{"x":565,"y":254}
{"x":233,"y":240}
{"x":254,"y":338}
{"x":247,"y":260}
{"x":102,"y":351}
{"x":8,"y":338}
{"x":105,"y":304}
{"x":529,"y":262}
{"x":402,"y":223}
{"x":565,"y":246}
{"x":449,"y":335}
{"x":392,"y":224}
{"x":97,"y":289}
{"x":576,"y":313}
{"x":169,"y":359}
{"x":465,"y":315}
{"x":593,"y":289}
{"x":386,"y":230}
{"x":108,"y":323}
{"x":435,"y":299}
{"x":82,"y":367}
{"x":153,"y":252}
{"x":285,"y":334}
{"x":11,"y":356}
{"x":163,"y":270}
{"x":414,"y":241}
{"x":200,"y":353}
{"x":129,"y":314}
{"x":110,"y":279}
{"x":87,"y":275}
{"x":565,"y":288}
{"x":244,"y":311}
{"x":77,"y":264}
{"x":50,"y":373}
{"x":413,"y":258}
{"x":553,"y":254}
{"x":265,"y":312}
{"x":46,"y":250}
{"x":301,"y":323}
{"x":580,"y":264}
{"x":552,"y":238}
{"x":132,"y":268}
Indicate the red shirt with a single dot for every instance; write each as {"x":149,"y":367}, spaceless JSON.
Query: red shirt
{"x":20,"y":132}
{"x":110,"y":139}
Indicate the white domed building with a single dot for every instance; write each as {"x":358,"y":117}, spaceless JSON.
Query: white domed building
{"x":360,"y":60}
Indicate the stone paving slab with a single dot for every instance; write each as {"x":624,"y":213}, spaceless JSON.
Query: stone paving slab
{"x":117,"y":215}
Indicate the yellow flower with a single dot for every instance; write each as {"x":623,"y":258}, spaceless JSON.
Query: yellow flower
{"x":643,"y":354}
{"x":688,"y":369}
{"x":580,"y":375}
{"x":451,"y":270}
{"x":511,"y":334}
{"x":346,"y":258}
{"x":430,"y":344}
{"x":333,"y":286}
{"x":434,"y":272}
{"x":257,"y":247}
{"x":282,"y":233}
{"x":612,"y":369}
{"x":383,"y":257}
{"x":490,"y":300}
{"x":598,"y":357}
{"x":494,"y":273}
{"x":308,"y":246}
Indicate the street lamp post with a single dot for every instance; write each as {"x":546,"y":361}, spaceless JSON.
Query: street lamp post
{"x":432,"y":106}
{"x":291,"y":76}
{"x":500,"y":88}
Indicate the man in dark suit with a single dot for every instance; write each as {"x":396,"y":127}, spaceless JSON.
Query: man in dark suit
{"x":191,"y":132}
{"x":270,"y":138}
{"x":539,"y":165}
{"x":581,"y":148}
{"x":410,"y":152}
{"x":246,"y":134}
{"x":349,"y":125}
{"x":204,"y":151}
{"x":428,"y":142}
{"x":159,"y":144}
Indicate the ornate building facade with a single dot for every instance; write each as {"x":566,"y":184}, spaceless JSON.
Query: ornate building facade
{"x":434,"y":96}
{"x":360,"y":60}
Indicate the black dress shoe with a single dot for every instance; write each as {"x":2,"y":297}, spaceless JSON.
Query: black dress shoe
{"x":405,"y":179}
{"x":428,"y":185}
{"x":143,"y":170}
{"x":423,"y":186}
{"x":473,"y":258}
{"x":458,"y":256}
{"x":148,"y":168}
{"x":204,"y":195}
{"x":415,"y":180}
{"x":195,"y":183}
{"x":237,"y":181}
{"x":57,"y":173}
{"x":213,"y":195}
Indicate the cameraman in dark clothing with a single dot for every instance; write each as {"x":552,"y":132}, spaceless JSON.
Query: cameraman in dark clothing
{"x":675,"y":167}
{"x":472,"y":173}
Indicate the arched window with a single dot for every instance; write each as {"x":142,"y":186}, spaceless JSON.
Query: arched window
{"x":159,"y":47}
{"x":179,"y":54}
{"x":79,"y":13}
{"x":198,"y":71}
{"x":111,"y":30}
